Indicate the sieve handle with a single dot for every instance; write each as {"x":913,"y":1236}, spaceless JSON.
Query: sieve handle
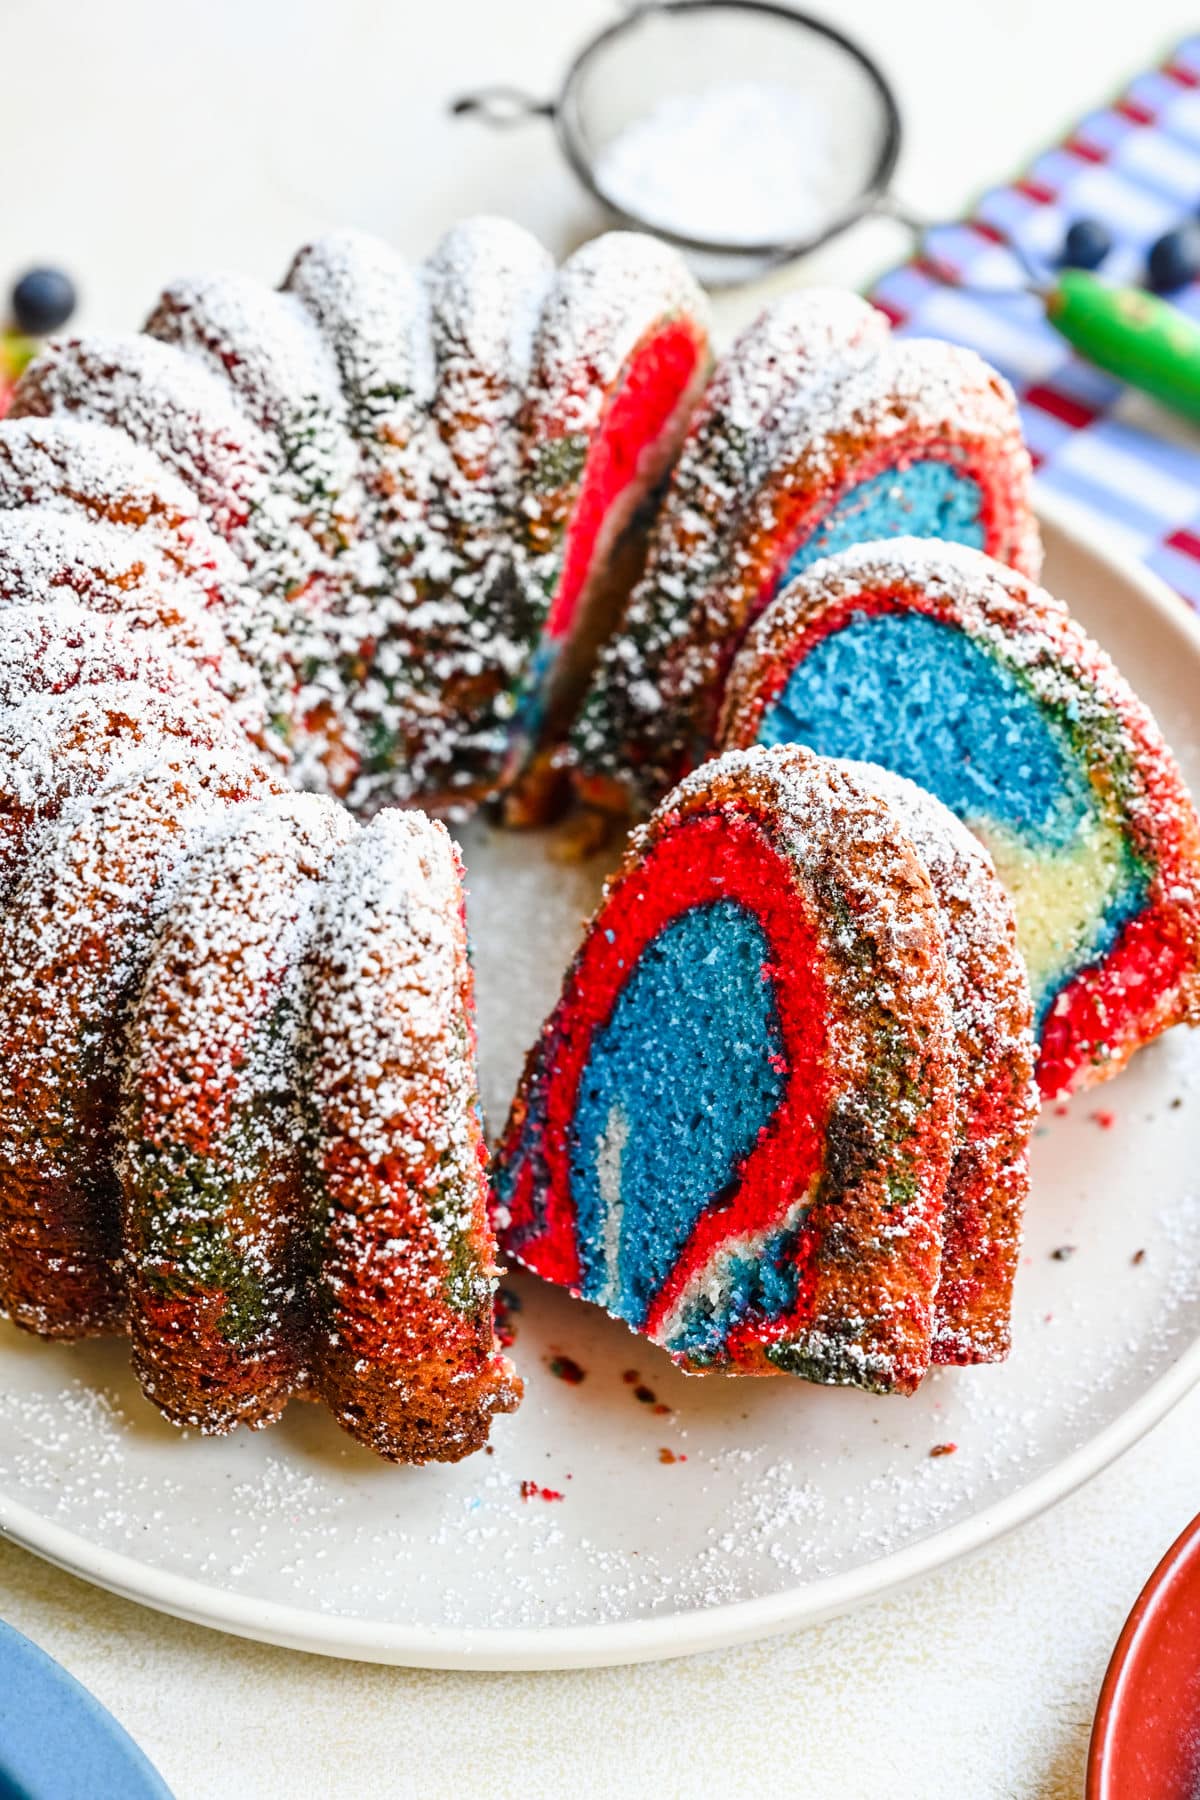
{"x":1134,"y":335}
{"x":502,"y":107}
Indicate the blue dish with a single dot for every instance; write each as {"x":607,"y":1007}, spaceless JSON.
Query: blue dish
{"x":56,"y":1740}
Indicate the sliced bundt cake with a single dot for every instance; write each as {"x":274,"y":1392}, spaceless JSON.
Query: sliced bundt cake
{"x":358,"y":536}
{"x":817,"y":431}
{"x":742,"y":1124}
{"x":405,"y":495}
{"x":237,"y":1107}
{"x":943,"y":665}
{"x":367,"y":535}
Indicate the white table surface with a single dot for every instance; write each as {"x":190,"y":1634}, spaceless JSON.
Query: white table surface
{"x":149,"y":139}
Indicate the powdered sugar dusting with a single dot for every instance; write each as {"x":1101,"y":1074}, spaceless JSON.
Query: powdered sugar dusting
{"x":48,"y":649}
{"x":745,"y":162}
{"x":212,"y":1169}
{"x":75,"y":933}
{"x":392,"y":903}
{"x":47,"y":557}
{"x":55,"y":747}
{"x":337,"y":473}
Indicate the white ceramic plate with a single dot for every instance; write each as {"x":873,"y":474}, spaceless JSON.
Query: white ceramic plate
{"x":606,"y":1526}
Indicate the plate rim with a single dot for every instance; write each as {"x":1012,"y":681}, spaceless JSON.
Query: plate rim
{"x":607,"y":1643}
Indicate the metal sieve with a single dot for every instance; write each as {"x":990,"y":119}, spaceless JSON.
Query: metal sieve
{"x":679,"y":54}
{"x":681,"y":50}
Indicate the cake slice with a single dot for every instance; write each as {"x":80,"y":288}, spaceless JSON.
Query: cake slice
{"x":737,"y":1127}
{"x":619,"y":360}
{"x":941,"y":664}
{"x":856,"y":436}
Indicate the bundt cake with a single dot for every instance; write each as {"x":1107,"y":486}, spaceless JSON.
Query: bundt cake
{"x":287,"y":562}
{"x":396,"y":491}
{"x":959,"y":673}
{"x":237,"y":1102}
{"x":771,"y":1124}
{"x":818,"y":430}
{"x":358,"y":536}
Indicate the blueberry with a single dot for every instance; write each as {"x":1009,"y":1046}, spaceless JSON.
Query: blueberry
{"x":1175,"y":259}
{"x":1087,"y":243}
{"x":43,"y":300}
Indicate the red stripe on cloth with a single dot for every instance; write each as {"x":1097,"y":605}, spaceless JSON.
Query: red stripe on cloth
{"x":935,"y":270}
{"x":1086,"y":152}
{"x":1136,"y":111}
{"x":1036,"y":459}
{"x":1036,"y":191}
{"x":1185,"y":77}
{"x":1060,"y":406}
{"x":991,"y":233}
{"x":894,"y":313}
{"x":1187,"y":541}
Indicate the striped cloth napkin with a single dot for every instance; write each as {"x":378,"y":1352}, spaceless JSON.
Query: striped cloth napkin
{"x":1109,"y":452}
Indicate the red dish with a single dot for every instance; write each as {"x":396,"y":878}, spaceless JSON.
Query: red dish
{"x":1146,"y":1738}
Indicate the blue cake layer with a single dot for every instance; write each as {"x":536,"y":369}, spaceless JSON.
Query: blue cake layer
{"x":678,"y":1086}
{"x":929,"y":499}
{"x":922,"y":698}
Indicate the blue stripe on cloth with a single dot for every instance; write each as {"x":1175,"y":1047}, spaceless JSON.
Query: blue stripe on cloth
{"x":1179,"y":569}
{"x":1006,"y":209}
{"x":1087,"y":489}
{"x":1154,"y":91}
{"x":1166,"y":167}
{"x":1011,"y":333}
{"x":1043,"y":432}
{"x":1181,"y":115}
{"x":906,"y":288}
{"x":1104,"y":130}
{"x":1082,"y":381}
{"x":1159,"y":478}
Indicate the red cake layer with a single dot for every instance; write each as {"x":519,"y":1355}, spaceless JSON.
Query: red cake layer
{"x":704,"y":858}
{"x":655,"y":382}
